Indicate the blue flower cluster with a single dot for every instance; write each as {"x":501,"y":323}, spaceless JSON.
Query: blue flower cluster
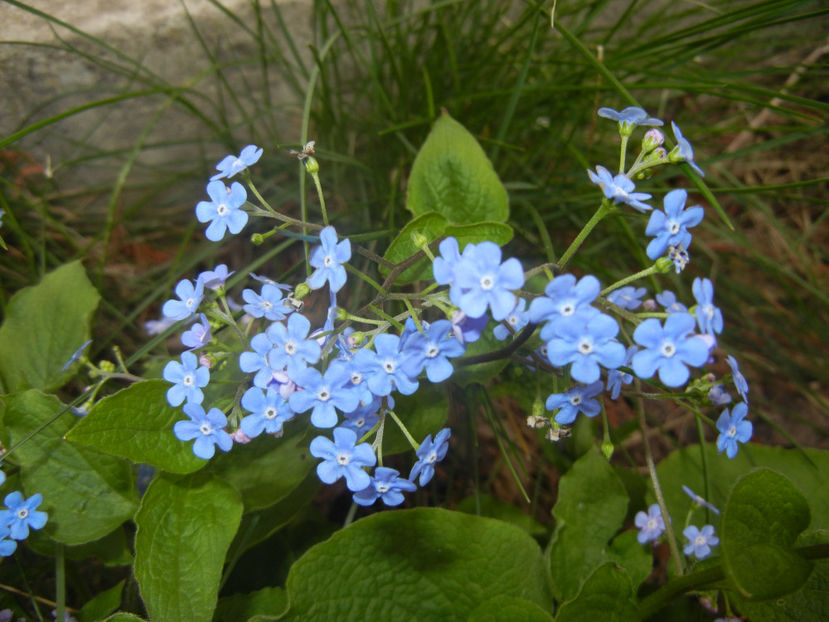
{"x":20,"y":515}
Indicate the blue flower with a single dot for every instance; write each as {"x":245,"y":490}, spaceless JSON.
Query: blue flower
{"x":616,"y":378}
{"x":328,"y":259}
{"x":468,"y":329}
{"x":733,"y":429}
{"x":671,"y":226}
{"x":22,"y":514}
{"x":269,"y":304}
{"x":483,"y":281}
{"x":364,"y":417}
{"x":206,"y":428}
{"x":575,"y":400}
{"x":323,"y":393}
{"x":257,"y":361}
{"x":586,"y":343}
{"x":7,"y":546}
{"x":223,"y":209}
{"x":76,"y":356}
{"x":651,"y":525}
{"x":700,"y":541}
{"x":428,"y":454}
{"x":564,"y":298}
{"x":383,"y":368}
{"x":215,"y":279}
{"x":683,"y":152}
{"x":230,"y":165}
{"x":629,"y":118}
{"x":431,"y":349}
{"x":619,"y":188}
{"x":699,"y":500}
{"x":740,"y":382}
{"x":668,"y":349}
{"x":198,"y":335}
{"x":190,"y":296}
{"x":188,"y":378}
{"x":709,"y":317}
{"x":291,"y":347}
{"x":717,"y":395}
{"x":518,"y":318}
{"x":387,"y":485}
{"x":627,"y":297}
{"x":343,"y":458}
{"x":269,"y":411}
{"x":443,"y":267}
{"x":668,"y":300}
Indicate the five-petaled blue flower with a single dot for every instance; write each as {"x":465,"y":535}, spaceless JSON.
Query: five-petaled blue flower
{"x":628,"y":297}
{"x":575,"y":400}
{"x":268,"y":305}
{"x":190,"y":296}
{"x":343,"y":458}
{"x":188,"y":379}
{"x":668,"y":349}
{"x":629,"y":118}
{"x":223,"y":210}
{"x":650,"y":525}
{"x":586,"y":343}
{"x":668,"y":300}
{"x":206,"y":428}
{"x":671,"y":226}
{"x":564,"y":298}
{"x":269,"y":411}
{"x":291,"y":347}
{"x":383,"y":368}
{"x":324,"y":393}
{"x":230,"y":165}
{"x":215,"y":279}
{"x":257,"y":361}
{"x":387,"y":485}
{"x":518,"y":318}
{"x":683,"y":152}
{"x":733,"y":429}
{"x":700,"y":541}
{"x":198,"y":335}
{"x":483,"y":281}
{"x":709,"y":317}
{"x":328,"y":259}
{"x":619,"y":188}
{"x":431,"y":349}
{"x":740,"y":382}
{"x":22,"y":514}
{"x":428,"y":454}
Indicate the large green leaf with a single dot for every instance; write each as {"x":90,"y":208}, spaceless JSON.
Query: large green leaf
{"x":430,"y":225}
{"x":267,"y":469}
{"x":87,"y":494}
{"x":414,"y":565}
{"x":103,"y":604}
{"x":809,"y":469}
{"x":762,"y":519}
{"x":606,"y":595}
{"x":451,"y":175}
{"x":240,"y":607}
{"x":137,"y":423}
{"x":44,"y":325}
{"x":185,"y":526}
{"x":509,"y":609}
{"x":476,"y":232}
{"x":591,"y":507}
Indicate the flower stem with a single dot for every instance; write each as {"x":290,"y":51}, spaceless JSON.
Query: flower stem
{"x":604,"y":209}
{"x":623,"y":152}
{"x":318,"y":185}
{"x":415,"y":445}
{"x":629,"y":279}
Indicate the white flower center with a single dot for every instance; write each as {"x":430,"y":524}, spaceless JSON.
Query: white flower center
{"x":585,"y":346}
{"x":328,"y":261}
{"x":513,"y":320}
{"x":432,"y":351}
{"x":389,"y":366}
{"x":708,"y":310}
{"x":270,"y":412}
{"x":189,"y":380}
{"x":700,"y":540}
{"x":732,"y":431}
{"x":343,"y":458}
{"x":205,"y":428}
{"x":487,"y":282}
{"x":324,"y":395}
{"x":652,"y":523}
{"x":432,"y":458}
{"x":382,"y":487}
{"x":668,"y":349}
{"x":568,"y":308}
{"x":360,"y":422}
{"x":222,"y":209}
{"x":575,"y":400}
{"x":673,"y":227}
{"x":290,"y":348}
{"x":237,"y":163}
{"x":356,"y":378}
{"x":22,"y":513}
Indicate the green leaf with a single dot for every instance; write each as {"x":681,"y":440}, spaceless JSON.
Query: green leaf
{"x":606,"y":596}
{"x":626,"y":552}
{"x":809,"y":468}
{"x":103,"y":604}
{"x":423,"y":412}
{"x":509,"y":609}
{"x":123,"y":616}
{"x":414,"y":565}
{"x":430,"y":225}
{"x":451,"y":175}
{"x":492,"y":507}
{"x":45,"y":324}
{"x":762,"y":519}
{"x":87,"y":494}
{"x":591,"y":507}
{"x":185,"y":526}
{"x":476,"y":232}
{"x":267,"y":469}
{"x":808,"y":604}
{"x":137,"y":423}
{"x":269,"y":601}
{"x":111,"y":550}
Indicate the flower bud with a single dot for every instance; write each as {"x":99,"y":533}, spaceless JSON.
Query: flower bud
{"x":652,"y":139}
{"x":664,"y":264}
{"x":311,"y":165}
{"x":607,"y":449}
{"x":356,"y":338}
{"x":256,"y":239}
{"x":301,"y":291}
{"x":340,"y":314}
{"x":419,"y":240}
{"x":107,"y":366}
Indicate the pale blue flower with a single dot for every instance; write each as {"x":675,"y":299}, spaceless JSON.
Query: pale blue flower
{"x":328,"y":259}
{"x":619,"y":188}
{"x":683,"y":152}
{"x":230,"y":165}
{"x":733,"y":429}
{"x":670,"y":227}
{"x":700,"y":541}
{"x":343,"y":458}
{"x":223,"y":210}
{"x":650,"y":525}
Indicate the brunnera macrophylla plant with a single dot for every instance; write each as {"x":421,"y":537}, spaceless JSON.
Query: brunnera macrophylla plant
{"x":278,"y":388}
